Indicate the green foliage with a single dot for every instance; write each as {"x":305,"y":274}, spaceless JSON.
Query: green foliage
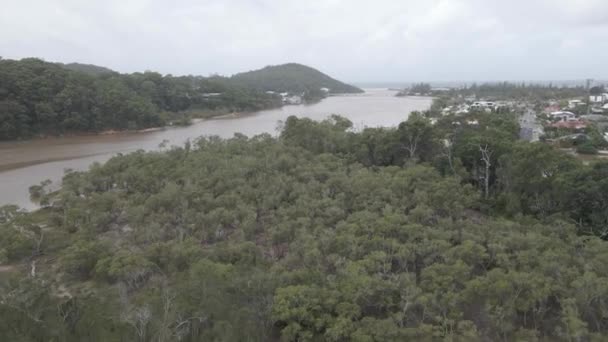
{"x":586,"y":148}
{"x":80,"y":258}
{"x":40,"y":98}
{"x":522,"y":91}
{"x":321,"y":234}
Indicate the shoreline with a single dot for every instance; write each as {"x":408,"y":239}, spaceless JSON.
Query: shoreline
{"x":86,"y":134}
{"x":197,"y":117}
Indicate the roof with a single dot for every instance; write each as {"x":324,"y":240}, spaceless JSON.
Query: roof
{"x":578,"y":124}
{"x":562,"y":112}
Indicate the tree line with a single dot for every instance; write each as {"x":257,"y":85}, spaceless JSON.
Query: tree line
{"x":455,"y":231}
{"x":522,"y":91}
{"x":41,"y":98}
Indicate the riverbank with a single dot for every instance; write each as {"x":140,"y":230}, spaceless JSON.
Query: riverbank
{"x":24,"y":163}
{"x":188,"y":118}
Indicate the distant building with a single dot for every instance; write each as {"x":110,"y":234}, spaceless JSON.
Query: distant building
{"x":562,"y":116}
{"x":293,"y":100}
{"x":325,"y":90}
{"x":575,"y":103}
{"x":211,"y":94}
{"x":483,"y":104}
{"x":552,"y":108}
{"x":572,"y":124}
{"x":487,"y":106}
{"x":594,"y":117}
{"x":463,"y":109}
{"x":596,"y":98}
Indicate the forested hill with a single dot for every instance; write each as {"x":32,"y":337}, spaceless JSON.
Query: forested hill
{"x":88,"y":68}
{"x":41,"y":98}
{"x":294,"y":78}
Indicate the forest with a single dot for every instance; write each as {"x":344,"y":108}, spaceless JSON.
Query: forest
{"x":446,"y":232}
{"x":39,"y":98}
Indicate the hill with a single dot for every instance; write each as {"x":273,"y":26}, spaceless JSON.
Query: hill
{"x":88,"y":68}
{"x":293,"y":78}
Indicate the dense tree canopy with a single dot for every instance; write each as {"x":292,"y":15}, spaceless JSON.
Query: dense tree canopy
{"x":320,"y":234}
{"x":522,"y":91}
{"x":38,"y":98}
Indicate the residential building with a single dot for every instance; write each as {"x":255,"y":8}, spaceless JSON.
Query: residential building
{"x":571,"y":124}
{"x":562,"y":116}
{"x":575,"y":103}
{"x":596,"y":98}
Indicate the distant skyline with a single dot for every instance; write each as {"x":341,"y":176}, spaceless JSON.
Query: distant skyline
{"x":354,"y":41}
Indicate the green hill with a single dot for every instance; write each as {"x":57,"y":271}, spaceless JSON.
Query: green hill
{"x":294,"y":78}
{"x":88,"y":68}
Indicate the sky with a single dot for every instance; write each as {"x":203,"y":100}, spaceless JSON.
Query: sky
{"x":352,"y":40}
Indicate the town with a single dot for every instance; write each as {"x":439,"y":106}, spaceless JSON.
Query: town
{"x":572,"y":118}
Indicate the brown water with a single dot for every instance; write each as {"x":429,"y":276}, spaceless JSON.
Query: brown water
{"x":29,"y":162}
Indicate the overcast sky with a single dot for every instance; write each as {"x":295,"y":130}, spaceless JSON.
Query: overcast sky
{"x":379,"y":40}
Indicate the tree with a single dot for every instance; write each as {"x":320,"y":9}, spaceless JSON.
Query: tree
{"x":416,"y":137}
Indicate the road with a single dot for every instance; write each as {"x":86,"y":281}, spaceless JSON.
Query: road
{"x":530,"y":129}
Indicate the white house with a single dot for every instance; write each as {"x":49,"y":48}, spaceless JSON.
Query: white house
{"x":483,"y":104}
{"x":596,"y":98}
{"x":562,"y":116}
{"x":487,"y":106}
{"x":574,"y":103}
{"x":462,"y":109}
{"x":293,"y":100}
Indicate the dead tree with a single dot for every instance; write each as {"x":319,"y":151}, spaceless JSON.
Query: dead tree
{"x":486,"y":157}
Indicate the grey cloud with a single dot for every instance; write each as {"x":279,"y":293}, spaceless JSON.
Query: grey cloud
{"x":356,"y":40}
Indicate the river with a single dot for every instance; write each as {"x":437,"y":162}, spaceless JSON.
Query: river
{"x":25,"y":163}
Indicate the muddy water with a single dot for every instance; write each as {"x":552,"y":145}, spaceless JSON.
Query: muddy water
{"x":30,"y":162}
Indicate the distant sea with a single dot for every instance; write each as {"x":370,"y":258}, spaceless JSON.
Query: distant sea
{"x":460,"y":84}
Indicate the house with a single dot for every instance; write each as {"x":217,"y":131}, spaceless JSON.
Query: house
{"x":594,"y":117}
{"x":596,"y":98}
{"x":293,"y":100}
{"x":571,"y":124}
{"x":562,"y":116}
{"x":211,"y":94}
{"x":325,"y":90}
{"x":487,"y":106}
{"x":483,"y":104}
{"x":462,"y":109}
{"x":575,"y":103}
{"x":552,"y":108}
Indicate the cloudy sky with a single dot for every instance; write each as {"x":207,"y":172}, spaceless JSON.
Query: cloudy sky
{"x":357,"y":41}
